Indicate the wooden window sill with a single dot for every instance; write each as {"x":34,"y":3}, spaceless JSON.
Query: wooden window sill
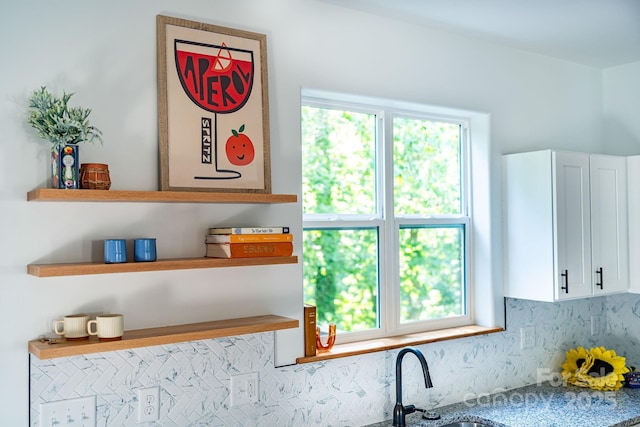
{"x":390,"y":343}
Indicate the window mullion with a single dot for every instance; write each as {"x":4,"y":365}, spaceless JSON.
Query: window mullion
{"x":465,"y":167}
{"x":431,"y":221}
{"x":389,"y":292}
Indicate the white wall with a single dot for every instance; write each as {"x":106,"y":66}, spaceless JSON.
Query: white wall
{"x":105,"y":53}
{"x":621,"y":108}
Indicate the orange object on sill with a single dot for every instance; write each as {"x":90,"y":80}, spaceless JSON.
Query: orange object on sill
{"x":330,"y":341}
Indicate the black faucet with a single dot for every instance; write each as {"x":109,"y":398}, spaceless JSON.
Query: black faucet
{"x":400,"y":411}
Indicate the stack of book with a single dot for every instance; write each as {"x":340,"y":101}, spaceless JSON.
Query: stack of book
{"x":249,"y":242}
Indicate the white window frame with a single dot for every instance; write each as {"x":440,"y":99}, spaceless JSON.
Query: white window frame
{"x":389,"y":291}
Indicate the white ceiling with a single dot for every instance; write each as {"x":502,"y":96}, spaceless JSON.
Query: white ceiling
{"x":598,"y":33}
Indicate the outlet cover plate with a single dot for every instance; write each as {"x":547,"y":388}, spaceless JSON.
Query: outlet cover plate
{"x":244,"y":389}
{"x":148,"y":404}
{"x":597,"y":325}
{"x":527,"y":337}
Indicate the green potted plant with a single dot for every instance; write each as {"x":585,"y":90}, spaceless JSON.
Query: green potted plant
{"x":64,"y":127}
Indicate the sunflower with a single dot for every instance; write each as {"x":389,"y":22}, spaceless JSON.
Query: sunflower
{"x":598,"y":368}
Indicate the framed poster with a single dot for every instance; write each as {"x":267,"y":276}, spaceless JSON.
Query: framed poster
{"x":213,"y":108}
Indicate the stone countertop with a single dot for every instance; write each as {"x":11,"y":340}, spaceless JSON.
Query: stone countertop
{"x":540,"y":405}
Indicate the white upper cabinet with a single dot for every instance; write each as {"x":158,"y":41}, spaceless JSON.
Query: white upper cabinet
{"x":609,"y":225}
{"x":572,"y":224}
{"x":633,"y":174}
{"x":565,"y":225}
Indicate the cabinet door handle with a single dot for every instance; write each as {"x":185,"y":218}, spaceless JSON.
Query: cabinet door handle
{"x":565,"y":288}
{"x":601,"y":284}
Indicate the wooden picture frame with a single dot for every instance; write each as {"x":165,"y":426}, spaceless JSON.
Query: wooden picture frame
{"x":213,"y":108}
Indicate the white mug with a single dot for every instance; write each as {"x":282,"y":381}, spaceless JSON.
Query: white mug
{"x":107,"y":327}
{"x":72,"y":327}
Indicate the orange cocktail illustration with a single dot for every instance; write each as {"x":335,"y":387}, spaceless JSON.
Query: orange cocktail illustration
{"x":218,"y":79}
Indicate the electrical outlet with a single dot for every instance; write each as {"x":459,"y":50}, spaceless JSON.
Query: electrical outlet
{"x":80,"y":412}
{"x":244,"y":389}
{"x":527,"y":337}
{"x":148,"y":404}
{"x":597,"y":325}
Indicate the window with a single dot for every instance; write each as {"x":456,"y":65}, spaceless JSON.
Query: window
{"x":386,"y":216}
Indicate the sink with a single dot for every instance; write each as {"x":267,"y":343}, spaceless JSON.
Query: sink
{"x":467,"y":424}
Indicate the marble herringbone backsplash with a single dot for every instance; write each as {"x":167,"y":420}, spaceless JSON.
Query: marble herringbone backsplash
{"x":194,"y":377}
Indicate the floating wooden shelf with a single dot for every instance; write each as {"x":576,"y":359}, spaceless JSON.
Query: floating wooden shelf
{"x":164,"y":335}
{"x":84,"y":268}
{"x":58,"y":195}
{"x":74,"y":269}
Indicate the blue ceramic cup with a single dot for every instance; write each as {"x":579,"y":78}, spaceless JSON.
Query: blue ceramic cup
{"x":144,"y":250}
{"x":115,"y":251}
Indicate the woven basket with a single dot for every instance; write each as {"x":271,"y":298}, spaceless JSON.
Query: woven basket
{"x":95,"y":176}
